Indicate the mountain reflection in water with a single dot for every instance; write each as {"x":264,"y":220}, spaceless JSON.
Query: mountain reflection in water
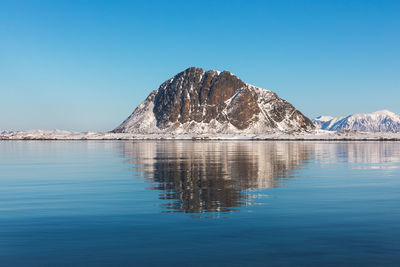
{"x":201,"y":177}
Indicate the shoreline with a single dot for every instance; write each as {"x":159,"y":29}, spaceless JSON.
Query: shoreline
{"x":318,"y":135}
{"x":211,"y":140}
{"x":310,"y":138}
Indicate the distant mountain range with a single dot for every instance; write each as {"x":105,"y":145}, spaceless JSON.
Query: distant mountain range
{"x":198,"y":101}
{"x":379,"y":121}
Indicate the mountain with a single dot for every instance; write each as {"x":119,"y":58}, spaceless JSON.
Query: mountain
{"x":379,"y":121}
{"x":199,"y":101}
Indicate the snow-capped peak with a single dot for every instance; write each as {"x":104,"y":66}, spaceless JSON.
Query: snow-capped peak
{"x":385,"y":112}
{"x":324,"y":118}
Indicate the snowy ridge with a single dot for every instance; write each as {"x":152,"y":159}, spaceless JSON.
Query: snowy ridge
{"x":379,"y":121}
{"x":37,"y":134}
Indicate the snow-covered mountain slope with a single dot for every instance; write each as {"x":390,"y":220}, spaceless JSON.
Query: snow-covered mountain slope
{"x":199,"y":101}
{"x":380,"y":121}
{"x":325,"y":122}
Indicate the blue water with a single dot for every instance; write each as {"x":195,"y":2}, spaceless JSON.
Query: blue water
{"x":91,"y":203}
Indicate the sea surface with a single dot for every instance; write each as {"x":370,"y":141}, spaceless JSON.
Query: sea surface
{"x":184,"y":203}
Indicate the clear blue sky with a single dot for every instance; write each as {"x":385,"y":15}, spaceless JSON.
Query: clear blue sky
{"x":85,"y":65}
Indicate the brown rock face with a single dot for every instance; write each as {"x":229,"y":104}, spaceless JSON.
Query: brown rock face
{"x":202,"y":101}
{"x":246,"y":111}
{"x":194,"y":95}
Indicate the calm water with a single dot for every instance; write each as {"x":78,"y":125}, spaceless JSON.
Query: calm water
{"x":196,"y":203}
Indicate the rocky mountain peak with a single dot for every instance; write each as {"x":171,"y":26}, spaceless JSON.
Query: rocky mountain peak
{"x":199,"y":101}
{"x":195,"y":95}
